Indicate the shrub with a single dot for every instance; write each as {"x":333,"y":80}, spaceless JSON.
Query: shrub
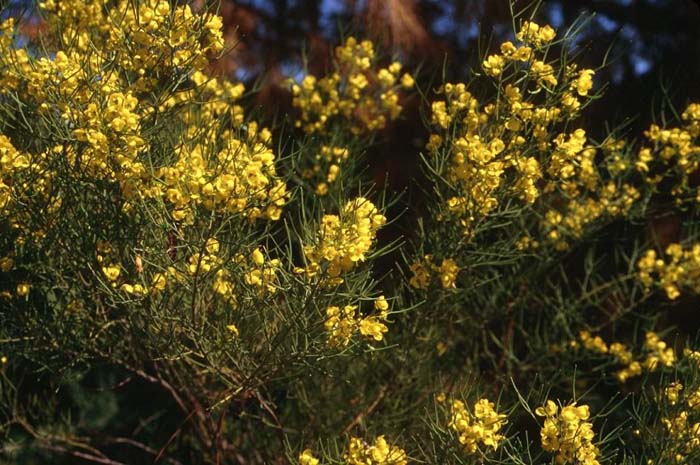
{"x":181,"y":283}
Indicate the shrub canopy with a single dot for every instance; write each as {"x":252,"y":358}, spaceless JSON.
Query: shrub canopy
{"x":185,"y":281}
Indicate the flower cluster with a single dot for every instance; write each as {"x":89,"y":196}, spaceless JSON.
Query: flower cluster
{"x":239,"y":179}
{"x":327,"y":166}
{"x":423,"y":271}
{"x":307,"y":458}
{"x":12,"y":163}
{"x":680,"y":270}
{"x":673,"y":151}
{"x":260,"y":273}
{"x":360,"y":452}
{"x":380,"y":453}
{"x":568,"y":433}
{"x":482,"y":426}
{"x":159,"y":36}
{"x":656,"y":353}
{"x":342,"y":323}
{"x":105,"y":108}
{"x":679,"y":422}
{"x":362,"y":95}
{"x":592,"y":343}
{"x":685,"y":435}
{"x":344,"y":239}
{"x":679,"y":404}
{"x":510,"y":146}
{"x":531,"y":33}
{"x":611,"y":201}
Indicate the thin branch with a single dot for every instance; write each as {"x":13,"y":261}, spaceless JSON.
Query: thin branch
{"x":144,"y":447}
{"x":370,"y":408}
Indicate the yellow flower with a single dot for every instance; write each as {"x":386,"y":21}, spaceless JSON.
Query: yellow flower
{"x":307,"y":458}
{"x":493,"y":65}
{"x":584,"y":83}
{"x":258,"y":257}
{"x":111,"y":272}
{"x":568,"y":433}
{"x":379,"y":453}
{"x":212,"y":246}
{"x":381,"y":304}
{"x":448,"y":270}
{"x":158,"y":281}
{"x":22,"y":289}
{"x":6,"y":264}
{"x":340,"y":324}
{"x":672,"y":392}
{"x":421,"y":273}
{"x":134,"y":289}
{"x":544,"y":73}
{"x":373,"y":328}
{"x":482,"y":426}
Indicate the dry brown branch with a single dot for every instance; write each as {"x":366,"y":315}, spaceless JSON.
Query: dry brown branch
{"x":370,"y":408}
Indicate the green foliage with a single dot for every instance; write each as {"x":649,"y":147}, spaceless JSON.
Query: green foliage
{"x":179,"y":283}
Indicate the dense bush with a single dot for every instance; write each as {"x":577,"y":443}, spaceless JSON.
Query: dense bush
{"x":181,"y":284}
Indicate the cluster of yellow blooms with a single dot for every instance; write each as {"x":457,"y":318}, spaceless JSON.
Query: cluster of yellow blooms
{"x":620,"y":352}
{"x":685,"y":434}
{"x":380,"y":453}
{"x":12,"y":162}
{"x":676,"y":151}
{"x":151,"y":66}
{"x":422,"y":273}
{"x":258,"y":273}
{"x":361,"y":453}
{"x":480,"y":427}
{"x":158,"y":35}
{"x":327,"y":164}
{"x":96,"y":94}
{"x":365,"y":97}
{"x":112,"y":271}
{"x":530,"y":35}
{"x":568,"y":433}
{"x":341,"y":324}
{"x":510,"y":146}
{"x":344,"y":239}
{"x":307,"y":458}
{"x":239,"y":179}
{"x":681,"y":270}
{"x":679,"y":414}
{"x":657,"y":354}
{"x":579,"y":213}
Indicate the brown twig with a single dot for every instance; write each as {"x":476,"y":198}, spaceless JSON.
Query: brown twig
{"x":84,"y":455}
{"x":370,"y":408}
{"x":142,"y":446}
{"x":172,"y":437}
